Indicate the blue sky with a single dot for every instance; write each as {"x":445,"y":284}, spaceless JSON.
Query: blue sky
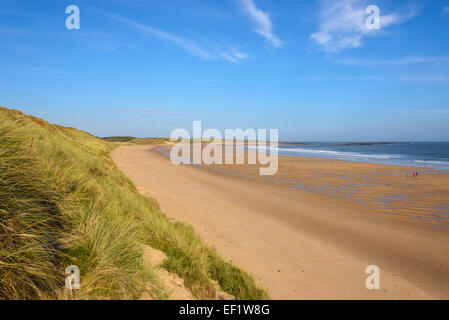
{"x":309,"y":68}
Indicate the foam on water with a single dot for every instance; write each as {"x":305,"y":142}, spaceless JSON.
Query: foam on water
{"x":414,"y":154}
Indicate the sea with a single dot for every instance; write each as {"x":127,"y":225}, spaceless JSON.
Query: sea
{"x":413,"y":154}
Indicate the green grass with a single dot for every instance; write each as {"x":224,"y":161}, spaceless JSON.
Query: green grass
{"x":134,"y":140}
{"x":63,"y":202}
{"x":118,"y":139}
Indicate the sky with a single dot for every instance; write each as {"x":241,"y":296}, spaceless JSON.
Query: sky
{"x":311,"y":69}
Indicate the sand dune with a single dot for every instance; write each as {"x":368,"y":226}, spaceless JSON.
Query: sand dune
{"x":299,"y":245}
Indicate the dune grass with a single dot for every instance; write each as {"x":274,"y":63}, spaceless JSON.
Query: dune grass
{"x":64,"y":202}
{"x":134,"y":140}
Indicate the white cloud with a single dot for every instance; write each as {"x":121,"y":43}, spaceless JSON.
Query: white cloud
{"x":162,"y":114}
{"x":445,"y":11}
{"x":393,"y":62}
{"x":224,"y":50}
{"x":241,"y":55}
{"x":155,"y":112}
{"x":186,"y":44}
{"x":229,"y":57}
{"x":32,"y":111}
{"x":233,"y":56}
{"x":262,"y":22}
{"x":342,"y":24}
{"x":146,"y":110}
{"x":427,"y":78}
{"x":423,"y":111}
{"x":189,"y":45}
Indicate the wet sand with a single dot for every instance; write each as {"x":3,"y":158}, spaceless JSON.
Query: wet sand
{"x":310,"y":231}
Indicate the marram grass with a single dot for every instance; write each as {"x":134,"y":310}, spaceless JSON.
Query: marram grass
{"x":64,"y":202}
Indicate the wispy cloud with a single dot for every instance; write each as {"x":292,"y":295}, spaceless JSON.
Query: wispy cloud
{"x":445,"y":11}
{"x":225,"y":51}
{"x":393,"y":62}
{"x":434,"y":112}
{"x":187,"y":44}
{"x":94,"y":40}
{"x":342,"y":24}
{"x":233,"y":56}
{"x":318,"y":78}
{"x":33,"y":111}
{"x":44,"y":70}
{"x":228,"y":57}
{"x":158,"y":112}
{"x":15,"y":13}
{"x":12,"y":32}
{"x":262,"y":22}
{"x":162,"y":114}
{"x":426,"y":78}
{"x":147,"y":110}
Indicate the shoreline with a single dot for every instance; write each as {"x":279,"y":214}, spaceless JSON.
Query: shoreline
{"x":346,"y":187}
{"x":413,"y":165}
{"x":316,"y":246}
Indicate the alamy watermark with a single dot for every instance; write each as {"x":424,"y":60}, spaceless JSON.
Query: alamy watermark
{"x":373,"y":280}
{"x":372,"y":22}
{"x":73,"y":20}
{"x":72,"y":280}
{"x":260,"y":149}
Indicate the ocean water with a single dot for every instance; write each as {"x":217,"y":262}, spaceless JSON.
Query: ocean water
{"x":415,"y":154}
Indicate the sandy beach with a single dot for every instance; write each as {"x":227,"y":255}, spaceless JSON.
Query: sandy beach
{"x":310,"y":231}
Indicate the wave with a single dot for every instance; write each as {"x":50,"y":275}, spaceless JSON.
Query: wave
{"x":328,"y":152}
{"x":390,"y":159}
{"x":433,"y":162}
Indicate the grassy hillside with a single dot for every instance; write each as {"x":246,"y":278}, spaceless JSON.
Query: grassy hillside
{"x":64,"y":202}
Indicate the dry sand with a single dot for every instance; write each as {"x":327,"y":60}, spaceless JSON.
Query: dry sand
{"x":310,"y":231}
